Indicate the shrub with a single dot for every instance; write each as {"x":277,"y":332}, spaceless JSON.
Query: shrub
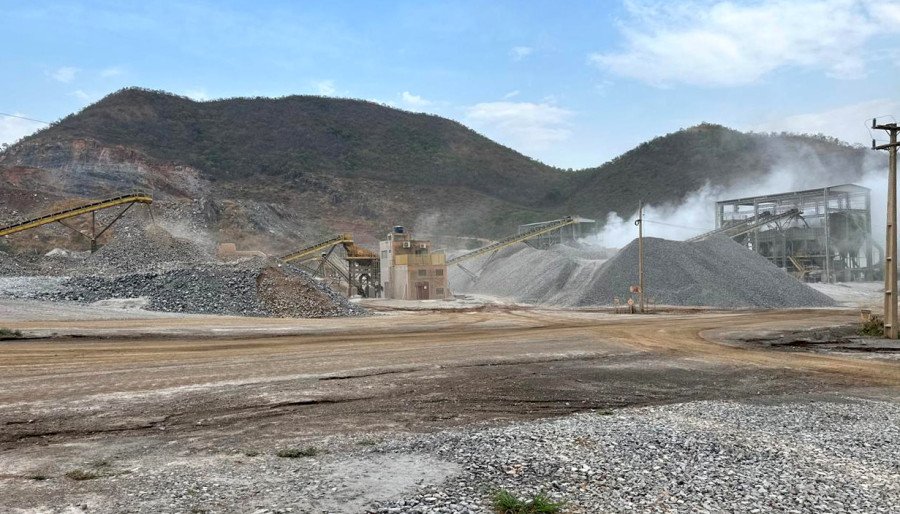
{"x":80,"y":474}
{"x":507,"y":503}
{"x":295,"y":453}
{"x":6,"y":333}
{"x":872,"y":327}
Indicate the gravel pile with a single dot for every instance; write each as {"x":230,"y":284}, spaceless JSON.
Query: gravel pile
{"x":143,"y":247}
{"x":250,"y":288}
{"x":813,"y":456}
{"x":716,"y":272}
{"x":11,"y":266}
{"x":529,"y":275}
{"x":135,"y":247}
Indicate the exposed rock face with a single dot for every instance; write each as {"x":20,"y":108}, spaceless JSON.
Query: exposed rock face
{"x":271,"y":174}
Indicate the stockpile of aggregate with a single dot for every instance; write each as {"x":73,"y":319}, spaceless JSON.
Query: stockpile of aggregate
{"x":132,"y":248}
{"x":250,"y":288}
{"x":529,"y":275}
{"x":716,"y":272}
{"x":13,"y":265}
{"x":146,"y":246}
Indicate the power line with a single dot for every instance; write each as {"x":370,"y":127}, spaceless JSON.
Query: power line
{"x":674,"y":226}
{"x":23,"y":118}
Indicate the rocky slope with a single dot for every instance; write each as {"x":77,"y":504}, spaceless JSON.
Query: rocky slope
{"x":270,"y":173}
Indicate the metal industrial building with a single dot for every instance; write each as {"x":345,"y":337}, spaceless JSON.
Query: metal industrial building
{"x":818,"y":234}
{"x":410,"y":270}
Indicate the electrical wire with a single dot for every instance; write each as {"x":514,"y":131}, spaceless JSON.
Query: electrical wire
{"x":674,"y":226}
{"x":23,"y":118}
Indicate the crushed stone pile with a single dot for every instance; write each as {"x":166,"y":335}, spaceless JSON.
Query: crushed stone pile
{"x":134,"y":247}
{"x":146,"y":247}
{"x":529,"y":275}
{"x":251,"y":288}
{"x":716,"y":272}
{"x":12,"y":265}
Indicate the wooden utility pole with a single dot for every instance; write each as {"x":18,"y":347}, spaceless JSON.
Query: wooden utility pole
{"x":890,"y":258}
{"x":640,"y":224}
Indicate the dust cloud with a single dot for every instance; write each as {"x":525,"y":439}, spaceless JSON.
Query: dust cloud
{"x":695,"y":214}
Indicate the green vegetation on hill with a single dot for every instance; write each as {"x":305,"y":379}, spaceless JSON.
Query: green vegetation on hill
{"x":289,"y":137}
{"x":667,"y":168}
{"x":369,"y":163}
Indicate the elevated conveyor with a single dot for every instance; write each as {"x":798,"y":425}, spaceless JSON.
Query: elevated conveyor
{"x":314,"y":251}
{"x":58,"y":217}
{"x":748,"y":225}
{"x":517,"y":238}
{"x":362,"y":265}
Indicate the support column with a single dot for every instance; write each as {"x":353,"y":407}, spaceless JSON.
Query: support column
{"x":93,"y":231}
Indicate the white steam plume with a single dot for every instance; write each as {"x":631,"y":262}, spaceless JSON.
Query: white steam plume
{"x":696,"y":213}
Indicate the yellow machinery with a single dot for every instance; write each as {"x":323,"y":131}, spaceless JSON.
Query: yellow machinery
{"x":314,"y":251}
{"x":91,"y":208}
{"x":362,"y":269}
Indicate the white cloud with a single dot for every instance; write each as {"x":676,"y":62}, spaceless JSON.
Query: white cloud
{"x":325,"y":87}
{"x":414,"y":100}
{"x":198,"y":94}
{"x":111,"y":72}
{"x":848,"y":123}
{"x":80,"y":94}
{"x":722,"y":43}
{"x":65,"y":74}
{"x":511,"y":94}
{"x":522,"y":125}
{"x":13,"y":129}
{"x":520,"y":52}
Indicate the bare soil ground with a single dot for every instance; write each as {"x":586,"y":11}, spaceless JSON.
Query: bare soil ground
{"x":135,"y":392}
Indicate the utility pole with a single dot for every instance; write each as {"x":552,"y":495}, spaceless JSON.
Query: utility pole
{"x":890,"y":258}
{"x":640,"y":224}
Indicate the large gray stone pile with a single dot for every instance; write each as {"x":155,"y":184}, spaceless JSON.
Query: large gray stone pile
{"x":254,"y":288}
{"x":133,"y":247}
{"x":175,"y":275}
{"x":143,"y":247}
{"x":716,"y":272}
{"x":11,"y":265}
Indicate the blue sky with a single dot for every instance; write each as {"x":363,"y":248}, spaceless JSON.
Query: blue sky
{"x":571,"y":83}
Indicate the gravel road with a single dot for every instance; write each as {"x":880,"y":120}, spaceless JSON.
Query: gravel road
{"x":838,"y":455}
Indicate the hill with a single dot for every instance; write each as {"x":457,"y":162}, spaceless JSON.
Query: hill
{"x":270,"y":172}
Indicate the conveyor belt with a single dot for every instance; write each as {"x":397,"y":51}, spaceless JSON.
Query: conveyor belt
{"x":76,"y":211}
{"x":747,"y":225}
{"x":311,"y":251}
{"x":511,"y":240}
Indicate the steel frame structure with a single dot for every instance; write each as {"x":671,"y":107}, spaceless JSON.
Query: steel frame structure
{"x":362,"y":271}
{"x":821,"y":234}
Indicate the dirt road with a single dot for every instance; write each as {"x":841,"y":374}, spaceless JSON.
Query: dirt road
{"x":129,"y":397}
{"x":410,"y":370}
